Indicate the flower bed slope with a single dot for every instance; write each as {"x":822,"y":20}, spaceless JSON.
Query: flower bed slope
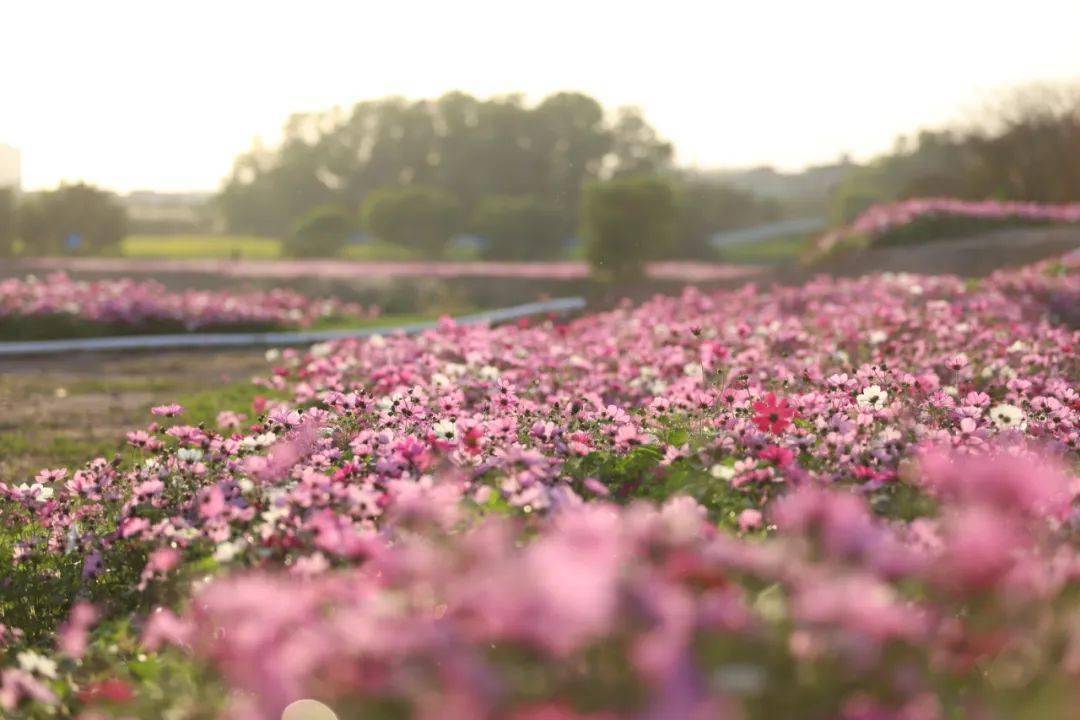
{"x":925,"y":219}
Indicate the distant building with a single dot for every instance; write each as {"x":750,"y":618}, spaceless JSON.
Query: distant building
{"x":10,"y":167}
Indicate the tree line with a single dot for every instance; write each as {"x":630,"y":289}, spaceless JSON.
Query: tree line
{"x":1027,"y":147}
{"x":416,"y":173}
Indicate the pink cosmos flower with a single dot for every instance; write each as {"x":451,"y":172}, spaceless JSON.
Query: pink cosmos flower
{"x":73,"y":636}
{"x":779,"y":456}
{"x":750,"y":519}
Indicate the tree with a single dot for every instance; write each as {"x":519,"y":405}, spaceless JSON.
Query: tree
{"x":321,"y":233}
{"x":7,"y":221}
{"x":73,"y":218}
{"x":518,"y":227}
{"x":417,"y":217}
{"x":1030,"y":147}
{"x":627,"y":221}
{"x":636,"y":146}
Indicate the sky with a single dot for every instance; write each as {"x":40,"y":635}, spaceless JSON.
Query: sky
{"x":164,"y":95}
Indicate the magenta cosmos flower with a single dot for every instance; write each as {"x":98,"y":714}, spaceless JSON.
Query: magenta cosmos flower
{"x":772,"y":414}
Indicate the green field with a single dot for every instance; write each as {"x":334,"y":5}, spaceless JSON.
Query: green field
{"x":766,"y":252}
{"x":200,"y":246}
{"x":250,"y":247}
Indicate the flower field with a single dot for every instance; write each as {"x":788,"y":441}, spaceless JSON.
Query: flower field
{"x":60,"y":305}
{"x":922,"y":219}
{"x":849,"y":499}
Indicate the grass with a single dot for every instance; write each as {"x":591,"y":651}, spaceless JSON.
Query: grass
{"x":766,"y":252}
{"x":392,"y":320}
{"x":61,"y":412}
{"x":248,"y":247}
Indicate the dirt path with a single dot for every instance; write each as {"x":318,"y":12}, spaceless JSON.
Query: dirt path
{"x":63,"y":411}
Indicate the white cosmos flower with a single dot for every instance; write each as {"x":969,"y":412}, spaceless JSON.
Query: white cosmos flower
{"x":274,"y":513}
{"x":1007,"y":416}
{"x":722,"y":472}
{"x":37,"y":491}
{"x":254,"y":442}
{"x":37,"y":664}
{"x":455,"y":369}
{"x":189,"y":455}
{"x":226,"y":551}
{"x":872,"y":398}
{"x":693,"y":369}
{"x":489,"y":372}
{"x":446,"y":429}
{"x":877,"y":337}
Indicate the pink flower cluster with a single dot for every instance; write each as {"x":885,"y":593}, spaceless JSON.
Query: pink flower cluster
{"x":130,"y":302}
{"x":334,"y":268}
{"x":847,"y":499}
{"x":883,"y":218}
{"x":650,"y":612}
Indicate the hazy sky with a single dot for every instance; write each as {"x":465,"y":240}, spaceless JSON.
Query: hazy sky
{"x":164,"y":95}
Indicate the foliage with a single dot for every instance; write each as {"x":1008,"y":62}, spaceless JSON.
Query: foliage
{"x":627,"y":221}
{"x":519,"y":228}
{"x":322,"y":232}
{"x":47,"y":221}
{"x":416,"y":217}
